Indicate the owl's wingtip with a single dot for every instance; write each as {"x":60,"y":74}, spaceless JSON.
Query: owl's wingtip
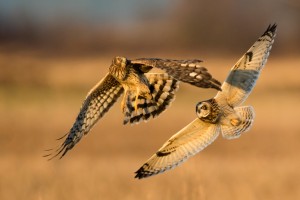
{"x":271,"y":28}
{"x":141,"y":173}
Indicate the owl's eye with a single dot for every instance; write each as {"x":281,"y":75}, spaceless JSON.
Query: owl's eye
{"x":204,"y":107}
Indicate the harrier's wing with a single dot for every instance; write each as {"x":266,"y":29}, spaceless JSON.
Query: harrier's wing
{"x":97,"y":103}
{"x":242,"y":77}
{"x":184,"y":144}
{"x":162,"y":89}
{"x":188,"y":71}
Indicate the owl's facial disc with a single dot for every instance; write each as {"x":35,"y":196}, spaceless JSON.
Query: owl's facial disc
{"x":203,"y":109}
{"x":208,"y":111}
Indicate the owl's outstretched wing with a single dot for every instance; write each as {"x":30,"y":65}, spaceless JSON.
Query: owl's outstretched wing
{"x":162,"y":89}
{"x":98,"y":101}
{"x":184,"y":144}
{"x":244,"y":74}
{"x":188,"y":71}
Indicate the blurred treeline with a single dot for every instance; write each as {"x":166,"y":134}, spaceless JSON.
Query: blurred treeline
{"x":224,"y":26}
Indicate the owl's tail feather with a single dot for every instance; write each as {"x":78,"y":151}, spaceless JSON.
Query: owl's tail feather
{"x":162,"y":88}
{"x":232,"y":131}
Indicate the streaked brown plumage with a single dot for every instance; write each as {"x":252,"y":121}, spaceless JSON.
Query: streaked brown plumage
{"x":146,"y":94}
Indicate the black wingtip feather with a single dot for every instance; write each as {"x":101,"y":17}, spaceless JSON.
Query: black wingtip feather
{"x":216,"y":84}
{"x":271,"y":28}
{"x":62,"y":136}
{"x":62,"y":149}
{"x":141,"y":173}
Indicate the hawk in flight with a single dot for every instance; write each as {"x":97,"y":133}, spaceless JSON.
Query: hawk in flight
{"x":145,"y":94}
{"x":221,"y":114}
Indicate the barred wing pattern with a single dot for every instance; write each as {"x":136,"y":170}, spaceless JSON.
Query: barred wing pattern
{"x":98,"y":101}
{"x":188,"y":71}
{"x":130,"y":77}
{"x":162,"y":88}
{"x":184,"y":144}
{"x":244,"y":74}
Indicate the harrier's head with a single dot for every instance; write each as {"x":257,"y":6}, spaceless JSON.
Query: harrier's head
{"x":119,"y":61}
{"x":118,"y":67}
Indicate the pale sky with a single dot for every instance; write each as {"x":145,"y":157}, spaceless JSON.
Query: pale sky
{"x":118,"y":11}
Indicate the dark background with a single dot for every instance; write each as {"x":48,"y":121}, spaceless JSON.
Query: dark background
{"x":132,"y":25}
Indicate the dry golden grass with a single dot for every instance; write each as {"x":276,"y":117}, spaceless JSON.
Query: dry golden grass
{"x":40,"y":98}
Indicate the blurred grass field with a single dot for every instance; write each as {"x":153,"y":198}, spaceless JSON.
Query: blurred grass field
{"x":41,"y":96}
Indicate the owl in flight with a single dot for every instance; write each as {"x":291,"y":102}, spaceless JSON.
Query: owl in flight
{"x":221,"y":114}
{"x":145,"y":94}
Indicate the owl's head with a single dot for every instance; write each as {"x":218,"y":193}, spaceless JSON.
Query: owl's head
{"x":208,"y":111}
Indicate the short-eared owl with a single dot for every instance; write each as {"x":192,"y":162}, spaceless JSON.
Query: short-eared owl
{"x":145,"y":94}
{"x":221,"y":114}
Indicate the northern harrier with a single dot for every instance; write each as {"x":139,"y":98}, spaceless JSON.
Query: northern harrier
{"x":145,"y":94}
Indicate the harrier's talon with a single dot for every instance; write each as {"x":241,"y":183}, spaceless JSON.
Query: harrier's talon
{"x":136,"y":104}
{"x":123,"y":104}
